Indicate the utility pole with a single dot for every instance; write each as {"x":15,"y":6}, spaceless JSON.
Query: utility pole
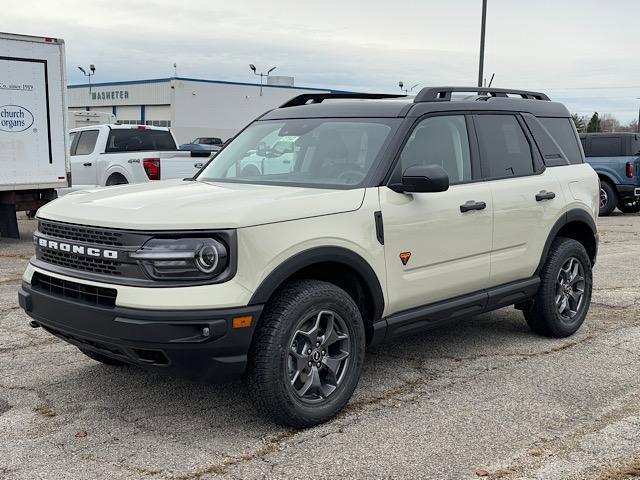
{"x":482,"y":34}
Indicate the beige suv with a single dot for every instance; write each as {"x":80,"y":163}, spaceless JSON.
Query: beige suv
{"x":385,"y":216}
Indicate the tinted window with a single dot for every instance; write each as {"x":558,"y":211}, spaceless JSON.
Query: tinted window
{"x":139,"y":139}
{"x":441,"y":141}
{"x":605,"y":146}
{"x":563,"y":132}
{"x":86,"y":143}
{"x":503,"y":145}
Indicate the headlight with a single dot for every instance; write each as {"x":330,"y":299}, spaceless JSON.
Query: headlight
{"x":183,"y":258}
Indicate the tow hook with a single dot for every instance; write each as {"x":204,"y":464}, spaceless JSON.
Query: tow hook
{"x":34,"y":324}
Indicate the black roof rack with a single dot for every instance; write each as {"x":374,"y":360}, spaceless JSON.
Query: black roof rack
{"x":443,"y":94}
{"x":309,"y":98}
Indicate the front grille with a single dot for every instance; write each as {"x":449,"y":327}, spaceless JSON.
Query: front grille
{"x":81,"y":233}
{"x":86,"y":264}
{"x":89,"y":294}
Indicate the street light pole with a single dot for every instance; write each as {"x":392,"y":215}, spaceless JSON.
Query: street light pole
{"x":253,"y":68}
{"x":92,"y":71}
{"x":482,"y":35}
{"x":638,"y":126}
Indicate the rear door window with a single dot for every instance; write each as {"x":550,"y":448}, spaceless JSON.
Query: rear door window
{"x":563,"y":132}
{"x":139,"y":140}
{"x":504,"y":147}
{"x":606,"y":146}
{"x":86,"y":143}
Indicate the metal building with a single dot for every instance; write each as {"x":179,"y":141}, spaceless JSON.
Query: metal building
{"x":191,"y":107}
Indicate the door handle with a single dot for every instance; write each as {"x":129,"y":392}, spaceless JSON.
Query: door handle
{"x":544,"y":195}
{"x":472,"y":205}
{"x":86,"y":164}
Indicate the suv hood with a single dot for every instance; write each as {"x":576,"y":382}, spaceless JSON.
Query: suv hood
{"x":179,"y":204}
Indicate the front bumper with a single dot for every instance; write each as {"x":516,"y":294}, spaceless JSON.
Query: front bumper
{"x":175,"y":341}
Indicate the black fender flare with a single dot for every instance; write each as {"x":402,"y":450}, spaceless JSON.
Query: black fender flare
{"x":575,"y":215}
{"x":316,"y":255}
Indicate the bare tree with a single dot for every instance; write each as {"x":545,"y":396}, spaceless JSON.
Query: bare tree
{"x":609,"y":123}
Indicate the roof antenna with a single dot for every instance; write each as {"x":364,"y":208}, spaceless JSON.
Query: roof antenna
{"x":491,"y":81}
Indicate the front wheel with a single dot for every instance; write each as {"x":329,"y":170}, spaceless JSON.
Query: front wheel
{"x":562,"y":301}
{"x":307,"y":354}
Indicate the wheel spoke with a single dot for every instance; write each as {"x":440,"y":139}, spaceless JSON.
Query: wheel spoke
{"x":333,"y":362}
{"x":575,"y":269}
{"x":564,"y":305}
{"x":300,"y":359}
{"x":312,"y":384}
{"x":577,"y":279}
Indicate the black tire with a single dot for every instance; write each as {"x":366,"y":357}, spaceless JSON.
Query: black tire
{"x":98,"y":357}
{"x":116,"y":179}
{"x":626,"y":206}
{"x":608,"y":198}
{"x":544,"y":316}
{"x":272,"y":363}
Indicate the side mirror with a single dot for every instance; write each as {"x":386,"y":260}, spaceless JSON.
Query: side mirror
{"x":424,"y":178}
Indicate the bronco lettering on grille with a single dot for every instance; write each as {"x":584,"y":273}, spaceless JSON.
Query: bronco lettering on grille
{"x":77,"y":249}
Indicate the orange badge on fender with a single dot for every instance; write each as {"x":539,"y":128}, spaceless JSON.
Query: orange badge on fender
{"x":405,"y":256}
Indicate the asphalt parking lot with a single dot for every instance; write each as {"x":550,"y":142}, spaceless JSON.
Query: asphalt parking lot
{"x":483,"y":397}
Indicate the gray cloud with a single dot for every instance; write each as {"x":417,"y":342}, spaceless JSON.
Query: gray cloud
{"x":572,"y":49}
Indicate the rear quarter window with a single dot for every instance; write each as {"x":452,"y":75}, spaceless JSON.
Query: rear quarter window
{"x":564,"y":133}
{"x":139,"y":140}
{"x":606,"y":147}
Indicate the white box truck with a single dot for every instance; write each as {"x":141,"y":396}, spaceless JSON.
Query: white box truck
{"x":33,"y":132}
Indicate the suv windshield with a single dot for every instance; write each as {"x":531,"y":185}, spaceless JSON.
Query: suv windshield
{"x":320,"y":152}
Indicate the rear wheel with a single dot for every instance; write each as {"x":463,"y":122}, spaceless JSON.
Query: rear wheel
{"x":562,"y":301}
{"x":98,"y":357}
{"x":608,"y":198}
{"x":626,"y":206}
{"x":307,"y":354}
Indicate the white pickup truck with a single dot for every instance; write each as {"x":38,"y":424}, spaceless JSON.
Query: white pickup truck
{"x":104,"y":155}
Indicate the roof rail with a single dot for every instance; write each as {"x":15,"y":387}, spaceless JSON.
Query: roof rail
{"x":309,"y":98}
{"x":443,"y":94}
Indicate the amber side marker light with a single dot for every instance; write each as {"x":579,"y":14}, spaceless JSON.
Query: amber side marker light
{"x":242,"y":322}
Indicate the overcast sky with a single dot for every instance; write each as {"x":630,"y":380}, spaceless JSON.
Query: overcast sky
{"x":581,"y":52}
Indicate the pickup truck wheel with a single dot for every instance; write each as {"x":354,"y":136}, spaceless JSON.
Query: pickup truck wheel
{"x":562,"y":301}
{"x":116,"y":179}
{"x":608,"y":198}
{"x":629,"y":207}
{"x":307,"y":354}
{"x":102,"y":358}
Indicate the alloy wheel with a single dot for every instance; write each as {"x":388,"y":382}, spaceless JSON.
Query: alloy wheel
{"x":604,"y":198}
{"x":570,"y":288}
{"x":318,"y":356}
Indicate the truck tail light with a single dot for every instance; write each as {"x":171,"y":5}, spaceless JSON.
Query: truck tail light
{"x":152,"y":168}
{"x":630,"y":169}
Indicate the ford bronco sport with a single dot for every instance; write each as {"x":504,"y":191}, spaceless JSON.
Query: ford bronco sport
{"x":393,"y":215}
